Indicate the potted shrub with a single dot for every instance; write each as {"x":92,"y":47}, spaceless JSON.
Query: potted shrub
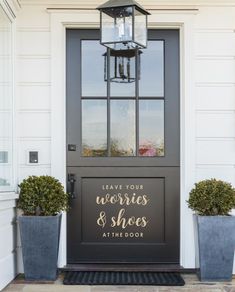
{"x":212,"y":200}
{"x":41,"y":198}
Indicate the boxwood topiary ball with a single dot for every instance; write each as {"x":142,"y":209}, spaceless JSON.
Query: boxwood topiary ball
{"x":42,"y":196}
{"x":212,"y":197}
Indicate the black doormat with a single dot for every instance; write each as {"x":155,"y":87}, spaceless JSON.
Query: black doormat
{"x":123,"y":278}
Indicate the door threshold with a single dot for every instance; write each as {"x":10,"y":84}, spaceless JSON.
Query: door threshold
{"x":127,"y":268}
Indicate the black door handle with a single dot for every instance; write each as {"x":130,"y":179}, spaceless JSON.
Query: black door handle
{"x":71,"y":183}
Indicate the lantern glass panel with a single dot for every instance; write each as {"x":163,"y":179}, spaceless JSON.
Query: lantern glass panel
{"x":140,"y":28}
{"x":117,"y":28}
{"x":107,"y":28}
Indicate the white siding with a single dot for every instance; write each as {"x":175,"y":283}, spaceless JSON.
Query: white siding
{"x":215,"y":97}
{"x":34,"y":97}
{"x":30,"y":43}
{"x":33,"y":92}
{"x":215,"y":42}
{"x":215,"y":94}
{"x":218,"y":124}
{"x":214,"y":65}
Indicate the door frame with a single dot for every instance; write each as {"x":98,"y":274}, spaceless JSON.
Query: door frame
{"x":169,"y":19}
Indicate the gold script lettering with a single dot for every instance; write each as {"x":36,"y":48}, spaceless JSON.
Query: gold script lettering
{"x":124,"y":222}
{"x":101,"y":221}
{"x":122,"y":199}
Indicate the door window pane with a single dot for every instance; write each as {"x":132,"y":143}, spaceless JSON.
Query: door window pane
{"x":94,"y":128}
{"x":151,"y":127}
{"x":93,"y":83}
{"x":6,"y":104}
{"x":152,"y":70}
{"x":123,"y":128}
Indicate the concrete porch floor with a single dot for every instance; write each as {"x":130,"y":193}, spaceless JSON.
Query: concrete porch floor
{"x":192,"y":285}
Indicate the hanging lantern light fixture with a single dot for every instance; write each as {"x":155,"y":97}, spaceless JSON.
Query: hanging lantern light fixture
{"x":122,"y":66}
{"x":123,"y":25}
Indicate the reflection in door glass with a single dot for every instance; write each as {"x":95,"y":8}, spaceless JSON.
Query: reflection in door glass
{"x":123,"y":128}
{"x":93,"y":83}
{"x":122,"y":66}
{"x":94,"y":128}
{"x":152,"y":70}
{"x":151,"y":125}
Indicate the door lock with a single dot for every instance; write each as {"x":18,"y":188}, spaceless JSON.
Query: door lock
{"x":71,"y":184}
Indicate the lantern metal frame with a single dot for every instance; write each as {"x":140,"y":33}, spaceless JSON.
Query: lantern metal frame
{"x":117,"y":75}
{"x":113,"y":7}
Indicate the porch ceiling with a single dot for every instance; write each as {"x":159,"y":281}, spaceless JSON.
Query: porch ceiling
{"x":145,"y":3}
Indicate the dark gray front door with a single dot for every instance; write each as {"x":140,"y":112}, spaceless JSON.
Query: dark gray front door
{"x":123,"y":151}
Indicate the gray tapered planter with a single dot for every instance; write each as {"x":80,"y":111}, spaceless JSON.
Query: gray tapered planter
{"x":216,"y":244}
{"x":40,"y":245}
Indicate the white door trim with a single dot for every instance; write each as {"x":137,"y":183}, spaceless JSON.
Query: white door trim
{"x":62,"y":19}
